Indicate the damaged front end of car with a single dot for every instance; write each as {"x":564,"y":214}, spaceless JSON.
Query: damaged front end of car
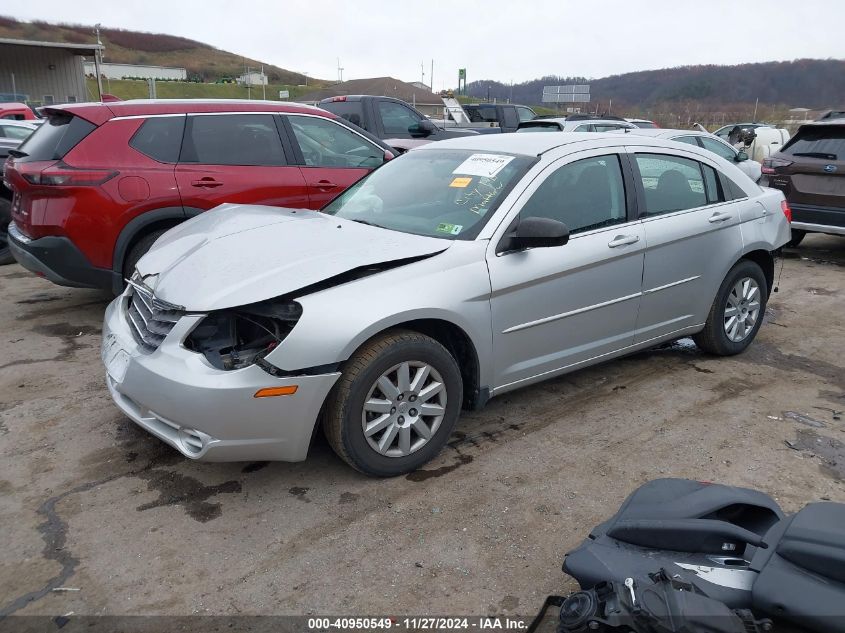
{"x":236,"y":338}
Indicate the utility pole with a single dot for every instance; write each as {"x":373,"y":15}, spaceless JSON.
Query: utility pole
{"x":422,"y":73}
{"x":431,"y":76}
{"x":98,"y":59}
{"x":339,"y":72}
{"x":14,"y":90}
{"x":263,"y":84}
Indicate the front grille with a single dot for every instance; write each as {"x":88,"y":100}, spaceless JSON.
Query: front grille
{"x":149,"y":321}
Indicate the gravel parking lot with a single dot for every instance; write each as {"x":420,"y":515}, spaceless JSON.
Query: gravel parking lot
{"x":90,"y":502}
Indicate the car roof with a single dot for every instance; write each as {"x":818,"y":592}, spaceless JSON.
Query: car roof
{"x":99,"y":113}
{"x":536,"y":144}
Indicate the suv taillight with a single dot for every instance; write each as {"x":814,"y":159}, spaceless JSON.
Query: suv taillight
{"x":784,"y":206}
{"x":63,"y":175}
{"x":771,"y":164}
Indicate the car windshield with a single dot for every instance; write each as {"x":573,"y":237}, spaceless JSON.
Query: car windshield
{"x":439,"y":193}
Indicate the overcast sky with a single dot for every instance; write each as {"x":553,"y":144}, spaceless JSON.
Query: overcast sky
{"x":507,"y":40}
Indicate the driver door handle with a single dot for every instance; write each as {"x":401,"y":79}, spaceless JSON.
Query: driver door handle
{"x":623,"y":240}
{"x":720,"y":217}
{"x":324,"y":185}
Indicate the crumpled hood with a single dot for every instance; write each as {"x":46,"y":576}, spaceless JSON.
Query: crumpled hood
{"x":239,"y":254}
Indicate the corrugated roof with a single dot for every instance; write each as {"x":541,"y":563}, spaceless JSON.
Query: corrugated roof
{"x":379,"y":86}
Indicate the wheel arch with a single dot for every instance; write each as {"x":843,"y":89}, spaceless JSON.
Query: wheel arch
{"x":459,"y":344}
{"x":138,"y":227}
{"x":765,"y":260}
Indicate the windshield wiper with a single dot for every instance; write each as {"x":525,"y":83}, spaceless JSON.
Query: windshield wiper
{"x":367,"y":222}
{"x":816,"y":155}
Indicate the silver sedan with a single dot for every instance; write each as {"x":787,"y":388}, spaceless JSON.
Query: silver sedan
{"x":455,"y":273}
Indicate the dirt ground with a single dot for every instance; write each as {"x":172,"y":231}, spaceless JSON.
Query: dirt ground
{"x":90,"y":502}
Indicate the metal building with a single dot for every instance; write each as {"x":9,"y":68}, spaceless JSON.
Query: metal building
{"x":135,"y":71}
{"x":43,"y":73}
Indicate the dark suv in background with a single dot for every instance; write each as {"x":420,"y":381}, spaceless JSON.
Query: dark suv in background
{"x":97,"y":184}
{"x":810,"y":170}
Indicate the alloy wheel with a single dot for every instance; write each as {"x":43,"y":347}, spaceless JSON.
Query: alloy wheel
{"x":404,"y":409}
{"x":742,"y":309}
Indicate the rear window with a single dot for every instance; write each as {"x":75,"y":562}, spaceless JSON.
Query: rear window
{"x":160,"y":138}
{"x":54,"y":138}
{"x":645,"y":125}
{"x":539,"y":126}
{"x":823,"y":141}
{"x":349,"y":110}
{"x":482,"y":114}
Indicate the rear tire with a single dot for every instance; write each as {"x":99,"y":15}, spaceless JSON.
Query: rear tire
{"x":384,"y":424}
{"x":5,"y":217}
{"x":797,"y":236}
{"x":737,"y":311}
{"x":138,"y":250}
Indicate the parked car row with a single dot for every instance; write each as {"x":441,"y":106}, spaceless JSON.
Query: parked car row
{"x":225,"y":341}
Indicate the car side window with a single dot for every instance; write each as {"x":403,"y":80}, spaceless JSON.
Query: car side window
{"x":689,"y":140}
{"x":584,"y":195}
{"x":712,"y":187}
{"x":525,"y":114}
{"x":585,"y":128}
{"x":325,"y":143}
{"x":160,"y":138}
{"x":396,"y":118}
{"x":670,"y":183}
{"x":233,"y":139}
{"x":717,"y":147}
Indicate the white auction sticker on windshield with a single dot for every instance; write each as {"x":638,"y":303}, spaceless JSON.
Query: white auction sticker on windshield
{"x":484,"y":165}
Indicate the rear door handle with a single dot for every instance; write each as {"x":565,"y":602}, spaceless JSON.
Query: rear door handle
{"x":623,"y":240}
{"x":206,"y":182}
{"x":720,"y":217}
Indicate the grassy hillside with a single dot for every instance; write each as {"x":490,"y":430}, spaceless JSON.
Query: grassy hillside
{"x":133,"y":89}
{"x":134,"y":47}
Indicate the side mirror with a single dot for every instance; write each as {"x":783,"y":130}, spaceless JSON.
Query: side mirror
{"x":741,"y":157}
{"x":422,"y":129}
{"x":536,"y":233}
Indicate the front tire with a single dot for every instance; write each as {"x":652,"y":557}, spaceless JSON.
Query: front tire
{"x":737,"y":311}
{"x":395,"y":405}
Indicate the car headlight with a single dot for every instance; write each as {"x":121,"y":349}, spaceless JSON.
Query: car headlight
{"x":239,"y":337}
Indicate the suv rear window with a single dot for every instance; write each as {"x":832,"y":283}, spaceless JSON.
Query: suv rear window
{"x":54,"y":138}
{"x":823,"y":141}
{"x":160,"y":138}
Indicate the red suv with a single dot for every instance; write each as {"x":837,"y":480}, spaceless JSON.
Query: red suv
{"x":97,"y":183}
